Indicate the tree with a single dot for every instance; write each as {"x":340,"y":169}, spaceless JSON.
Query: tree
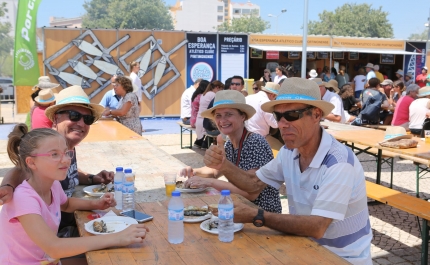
{"x":353,"y":20}
{"x":417,"y":36}
{"x":6,"y":43}
{"x":128,"y":14}
{"x":251,"y":23}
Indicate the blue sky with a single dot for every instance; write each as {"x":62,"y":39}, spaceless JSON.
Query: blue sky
{"x":405,"y":18}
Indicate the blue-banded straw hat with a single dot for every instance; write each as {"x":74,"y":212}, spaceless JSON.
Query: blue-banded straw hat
{"x":271,"y":87}
{"x":425,"y":91}
{"x":230,"y":99}
{"x":299,"y":90}
{"x":394,"y":133}
{"x":74,"y":96}
{"x":45,"y":97}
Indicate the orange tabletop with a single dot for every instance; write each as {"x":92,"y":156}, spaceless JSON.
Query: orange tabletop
{"x":110,"y":130}
{"x":251,"y":245}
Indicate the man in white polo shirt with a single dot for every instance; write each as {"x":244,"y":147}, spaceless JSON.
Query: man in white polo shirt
{"x":324,"y":180}
{"x":186,"y":102}
{"x":338,"y":113}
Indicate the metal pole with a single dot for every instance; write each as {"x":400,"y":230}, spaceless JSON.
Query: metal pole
{"x":305,"y":40}
{"x":427,"y":43}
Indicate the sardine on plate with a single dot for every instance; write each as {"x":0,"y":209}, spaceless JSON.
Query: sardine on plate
{"x":195,"y":211}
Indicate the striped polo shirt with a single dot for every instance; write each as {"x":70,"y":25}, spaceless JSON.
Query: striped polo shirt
{"x":333,"y":186}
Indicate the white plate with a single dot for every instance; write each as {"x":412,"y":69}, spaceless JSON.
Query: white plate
{"x":113,"y":223}
{"x":204,"y":225}
{"x":191,"y":190}
{"x":89,"y":190}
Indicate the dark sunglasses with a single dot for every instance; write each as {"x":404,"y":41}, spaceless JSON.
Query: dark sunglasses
{"x":255,"y":88}
{"x":76,"y":116}
{"x":235,"y":84}
{"x":291,"y":115}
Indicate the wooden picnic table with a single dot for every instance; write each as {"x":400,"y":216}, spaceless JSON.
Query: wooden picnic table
{"x":110,"y":130}
{"x":251,"y":245}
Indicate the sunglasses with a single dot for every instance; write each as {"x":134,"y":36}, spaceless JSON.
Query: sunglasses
{"x":255,"y":88}
{"x":76,"y":116}
{"x":291,"y":115}
{"x":235,"y":84}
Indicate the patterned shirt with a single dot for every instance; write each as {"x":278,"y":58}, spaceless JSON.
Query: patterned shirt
{"x":333,"y":186}
{"x":255,"y":153}
{"x":131,"y":119}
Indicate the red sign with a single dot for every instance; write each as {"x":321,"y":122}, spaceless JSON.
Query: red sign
{"x":272,"y":55}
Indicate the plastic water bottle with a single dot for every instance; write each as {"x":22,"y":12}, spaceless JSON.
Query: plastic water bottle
{"x":117,"y":183}
{"x":128,"y":190}
{"x":225,"y":216}
{"x":176,"y":219}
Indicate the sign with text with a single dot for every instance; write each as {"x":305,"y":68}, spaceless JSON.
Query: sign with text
{"x":288,"y":40}
{"x":388,"y":59}
{"x":201,"y":57}
{"x":293,"y":55}
{"x":339,"y":42}
{"x":338,"y":55}
{"x":272,"y":55}
{"x":310,"y":55}
{"x":353,"y":56}
{"x":232,"y":52}
{"x":322,"y":55}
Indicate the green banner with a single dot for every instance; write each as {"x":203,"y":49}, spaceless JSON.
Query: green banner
{"x":26,"y":66}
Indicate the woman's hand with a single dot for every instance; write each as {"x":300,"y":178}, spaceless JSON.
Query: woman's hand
{"x":187,"y":172}
{"x":133,"y":234}
{"x":106,"y":112}
{"x":198,"y":182}
{"x":105,"y":201}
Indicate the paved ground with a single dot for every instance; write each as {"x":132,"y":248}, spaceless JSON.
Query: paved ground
{"x":396,"y":237}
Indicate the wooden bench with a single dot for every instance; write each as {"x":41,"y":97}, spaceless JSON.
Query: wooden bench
{"x":406,"y":203}
{"x":186,"y":128}
{"x":420,"y":167}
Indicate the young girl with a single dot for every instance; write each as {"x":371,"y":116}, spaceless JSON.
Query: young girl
{"x":29,"y":223}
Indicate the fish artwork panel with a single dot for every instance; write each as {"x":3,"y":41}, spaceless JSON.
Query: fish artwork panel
{"x":161,"y":66}
{"x":90,"y":49}
{"x":84,"y":70}
{"x":106,"y":67}
{"x":71,"y":78}
{"x":144,"y":61}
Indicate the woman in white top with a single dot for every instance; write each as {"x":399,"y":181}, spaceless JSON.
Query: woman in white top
{"x":359,"y":82}
{"x":280,"y":74}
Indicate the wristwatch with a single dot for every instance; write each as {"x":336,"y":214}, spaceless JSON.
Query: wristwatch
{"x":259,"y":219}
{"x":90,"y":179}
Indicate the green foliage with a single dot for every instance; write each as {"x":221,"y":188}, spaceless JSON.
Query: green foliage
{"x":252,"y":23}
{"x":417,"y":36}
{"x":353,"y":20}
{"x":128,"y":14}
{"x":6,"y":44}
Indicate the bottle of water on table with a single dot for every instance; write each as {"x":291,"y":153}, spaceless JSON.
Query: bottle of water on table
{"x":176,"y":219}
{"x":117,"y":182}
{"x":128,"y":190}
{"x":225,"y":216}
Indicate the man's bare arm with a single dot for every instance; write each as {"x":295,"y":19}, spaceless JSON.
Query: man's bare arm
{"x":13,"y":177}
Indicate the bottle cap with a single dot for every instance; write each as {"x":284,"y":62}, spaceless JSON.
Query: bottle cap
{"x":176,"y":193}
{"x":127,"y":170}
{"x":119,"y":169}
{"x":225,"y":192}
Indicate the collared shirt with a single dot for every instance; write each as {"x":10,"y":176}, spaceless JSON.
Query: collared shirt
{"x":333,"y":186}
{"x":417,"y":113}
{"x":110,"y":100}
{"x":370,"y":74}
{"x":186,"y":102}
{"x":278,"y":78}
{"x":138,"y":83}
{"x":261,"y":121}
{"x":335,"y":99}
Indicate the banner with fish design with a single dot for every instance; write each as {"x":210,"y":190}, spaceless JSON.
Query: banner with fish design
{"x":201,"y":57}
{"x":26,"y":66}
{"x":414,"y":63}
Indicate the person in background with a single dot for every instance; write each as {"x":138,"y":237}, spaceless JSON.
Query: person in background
{"x":135,"y":67}
{"x":396,"y":93}
{"x":408,"y":79}
{"x":378,"y":74}
{"x":207,"y":96}
{"x":195,"y":104}
{"x":28,"y":224}
{"x":419,"y":110}
{"x":337,"y":114}
{"x":245,"y":150}
{"x":342,"y":78}
{"x":256,"y":87}
{"x":128,"y":107}
{"x":423,"y":78}
{"x":401,"y":114}
{"x":186,"y":102}
{"x":359,"y":83}
{"x":334,"y":71}
{"x":386,"y":114}
{"x":400,"y":74}
{"x":266,"y":76}
{"x":326,"y":75}
{"x":351,"y":104}
{"x":110,"y":99}
{"x":370,"y":73}
{"x":313,"y":74}
{"x":281,"y":73}
{"x":45,"y":99}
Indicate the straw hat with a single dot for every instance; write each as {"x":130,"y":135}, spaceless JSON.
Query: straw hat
{"x":387,"y":82}
{"x":425,"y":91}
{"x":74,"y":96}
{"x":409,"y":75}
{"x":319,"y":82}
{"x":333,"y":84}
{"x":400,"y":72}
{"x":298,"y":90}
{"x":230,"y":99}
{"x":45,"y":83}
{"x":369,"y":65}
{"x":271,"y":87}
{"x":313,"y":73}
{"x":45,"y":97}
{"x":394,"y":133}
{"x":135,"y":87}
